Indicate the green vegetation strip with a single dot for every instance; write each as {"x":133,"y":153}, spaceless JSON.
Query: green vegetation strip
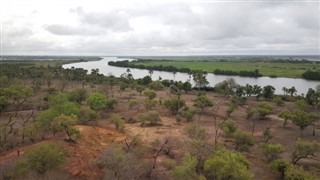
{"x":273,"y":69}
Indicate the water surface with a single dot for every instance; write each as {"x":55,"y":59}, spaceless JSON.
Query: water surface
{"x":301,"y":85}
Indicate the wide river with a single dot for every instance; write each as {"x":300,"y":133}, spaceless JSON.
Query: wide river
{"x":301,"y":85}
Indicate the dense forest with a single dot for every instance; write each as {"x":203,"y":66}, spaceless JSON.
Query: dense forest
{"x":58,"y":123}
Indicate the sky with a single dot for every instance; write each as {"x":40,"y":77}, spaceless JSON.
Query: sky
{"x":159,"y":27}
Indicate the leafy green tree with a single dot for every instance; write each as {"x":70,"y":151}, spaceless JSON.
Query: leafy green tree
{"x":227,"y":87}
{"x":118,"y":122}
{"x":132,"y":103}
{"x":139,"y":89}
{"x":202,"y":102}
{"x":152,"y":117}
{"x":86,"y":114}
{"x":266,"y":135}
{"x":187,"y":170}
{"x":272,"y":151}
{"x":77,"y":96}
{"x":259,"y":112}
{"x":286,"y":115}
{"x":60,"y":103}
{"x":174,"y":105}
{"x":242,"y":141}
{"x":187,"y":86}
{"x":302,"y":120}
{"x":4,"y":103}
{"x":44,"y":119}
{"x":200,"y":78}
{"x":97,"y":101}
{"x":146,"y":80}
{"x":268,"y":92}
{"x":121,"y":165}
{"x":304,"y":149}
{"x":313,"y":97}
{"x":225,"y":164}
{"x":187,"y":113}
{"x":230,"y":110}
{"x":45,"y":157}
{"x":229,"y":128}
{"x":296,"y":173}
{"x":196,"y":132}
{"x":30,"y":132}
{"x":301,"y":105}
{"x":111,"y":103}
{"x":156,"y":85}
{"x":280,"y":166}
{"x":150,"y":94}
{"x":67,"y":124}
{"x":292,"y":91}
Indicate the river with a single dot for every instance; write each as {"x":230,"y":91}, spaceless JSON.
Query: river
{"x":301,"y":85}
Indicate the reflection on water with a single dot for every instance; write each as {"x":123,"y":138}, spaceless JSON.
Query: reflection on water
{"x":301,"y":85}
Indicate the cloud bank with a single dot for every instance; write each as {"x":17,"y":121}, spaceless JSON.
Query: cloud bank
{"x":160,"y":28}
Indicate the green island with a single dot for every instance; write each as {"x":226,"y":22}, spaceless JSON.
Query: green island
{"x":286,"y":67}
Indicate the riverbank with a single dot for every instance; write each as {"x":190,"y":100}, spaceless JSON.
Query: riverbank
{"x":245,"y":68}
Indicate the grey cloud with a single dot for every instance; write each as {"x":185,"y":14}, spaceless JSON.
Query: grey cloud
{"x":117,"y":21}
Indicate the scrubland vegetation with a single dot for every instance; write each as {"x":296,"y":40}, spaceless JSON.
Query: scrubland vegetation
{"x":60,"y":123}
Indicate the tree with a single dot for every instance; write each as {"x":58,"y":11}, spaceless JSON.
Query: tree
{"x":295,"y":173}
{"x":292,"y":91}
{"x":200,"y":78}
{"x":227,"y":87}
{"x":312,"y":97}
{"x":150,"y":102}
{"x":243,"y":141}
{"x":174,"y":105}
{"x":272,"y":151}
{"x":229,"y":128}
{"x":86,"y":114}
{"x":259,"y":112}
{"x":45,"y":157}
{"x":268,"y":92}
{"x":44,"y":119}
{"x":225,"y":164}
{"x":139,"y":89}
{"x":121,"y":165}
{"x":230,"y":110}
{"x":187,"y":113}
{"x":187,"y":86}
{"x":196,"y":132}
{"x":67,"y":123}
{"x":286,"y":115}
{"x":156,"y":85}
{"x":187,"y":170}
{"x":202,"y":102}
{"x":304,"y":149}
{"x":152,"y":117}
{"x":267,"y":136}
{"x":60,"y":103}
{"x":146,"y":80}
{"x":302,"y":120}
{"x":78,"y":96}
{"x":118,"y":122}
{"x":4,"y":103}
{"x":97,"y":101}
{"x":301,"y":105}
{"x":110,"y":103}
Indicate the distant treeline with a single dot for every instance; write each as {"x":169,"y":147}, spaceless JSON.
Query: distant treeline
{"x":311,"y":75}
{"x":253,"y":60}
{"x":240,"y":73}
{"x":170,"y":68}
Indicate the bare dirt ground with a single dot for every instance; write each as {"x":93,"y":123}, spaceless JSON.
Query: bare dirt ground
{"x":83,"y":155}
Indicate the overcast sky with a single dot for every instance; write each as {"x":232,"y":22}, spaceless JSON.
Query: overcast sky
{"x":101,"y":27}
